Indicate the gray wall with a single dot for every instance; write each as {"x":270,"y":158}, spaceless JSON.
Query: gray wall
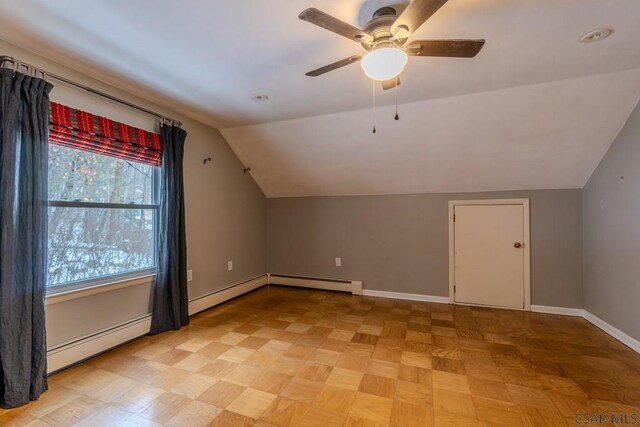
{"x":400,"y":243}
{"x":225,"y":212}
{"x":611,"y":209}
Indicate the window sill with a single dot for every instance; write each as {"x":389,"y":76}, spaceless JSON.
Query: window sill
{"x":59,"y":297}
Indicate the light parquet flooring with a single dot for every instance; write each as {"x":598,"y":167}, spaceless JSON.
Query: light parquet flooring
{"x":296,"y":357}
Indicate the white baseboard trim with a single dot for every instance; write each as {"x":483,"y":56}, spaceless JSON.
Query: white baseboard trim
{"x":403,"y":296}
{"x":353,"y":286}
{"x":625,"y":339}
{"x":616,"y":333}
{"x":205,"y":302}
{"x":557,"y":310}
{"x":68,"y":354}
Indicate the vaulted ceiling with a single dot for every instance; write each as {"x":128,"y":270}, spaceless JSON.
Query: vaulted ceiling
{"x":535,"y":109}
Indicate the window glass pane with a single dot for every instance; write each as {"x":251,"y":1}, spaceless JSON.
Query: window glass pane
{"x":87,"y":243}
{"x":76,"y":175}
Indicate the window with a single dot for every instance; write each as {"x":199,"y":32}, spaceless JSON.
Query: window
{"x":102,"y":216}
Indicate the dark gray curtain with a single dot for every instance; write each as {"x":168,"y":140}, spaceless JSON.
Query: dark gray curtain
{"x":24,"y":122}
{"x":170,"y":299}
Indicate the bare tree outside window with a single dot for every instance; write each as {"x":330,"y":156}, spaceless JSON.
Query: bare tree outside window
{"x":101,"y":216}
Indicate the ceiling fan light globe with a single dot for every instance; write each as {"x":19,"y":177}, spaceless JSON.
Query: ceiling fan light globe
{"x":384,"y":63}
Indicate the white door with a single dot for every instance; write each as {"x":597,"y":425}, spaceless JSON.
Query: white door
{"x":489,"y":255}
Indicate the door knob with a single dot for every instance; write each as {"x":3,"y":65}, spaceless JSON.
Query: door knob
{"x":517,"y":245}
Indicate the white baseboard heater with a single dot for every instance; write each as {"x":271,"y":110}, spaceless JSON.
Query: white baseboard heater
{"x":207,"y":301}
{"x":83,"y":348}
{"x":352,"y":286}
{"x":76,"y":351}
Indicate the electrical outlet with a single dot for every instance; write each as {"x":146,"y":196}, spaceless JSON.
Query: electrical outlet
{"x":229,"y":265}
{"x":189,"y":275}
{"x":338,"y":262}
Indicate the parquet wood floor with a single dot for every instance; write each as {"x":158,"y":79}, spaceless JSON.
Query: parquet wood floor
{"x":298,"y":357}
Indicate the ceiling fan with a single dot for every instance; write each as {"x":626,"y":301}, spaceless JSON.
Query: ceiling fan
{"x":385,"y":38}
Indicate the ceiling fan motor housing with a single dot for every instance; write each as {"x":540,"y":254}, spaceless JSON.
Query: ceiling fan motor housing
{"x":385,"y":11}
{"x":380,"y":29}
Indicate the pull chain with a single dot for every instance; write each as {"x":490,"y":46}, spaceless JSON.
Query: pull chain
{"x":374,"y":105}
{"x":397,"y":117}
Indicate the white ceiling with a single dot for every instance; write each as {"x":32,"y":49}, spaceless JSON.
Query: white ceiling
{"x":523,"y":114}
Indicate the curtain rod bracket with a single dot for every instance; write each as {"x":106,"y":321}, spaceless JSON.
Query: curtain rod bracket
{"x":246,"y":170}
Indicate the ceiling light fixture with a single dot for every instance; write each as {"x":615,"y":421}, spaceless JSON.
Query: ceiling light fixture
{"x":596,"y":35}
{"x":385,"y":38}
{"x":384,"y":63}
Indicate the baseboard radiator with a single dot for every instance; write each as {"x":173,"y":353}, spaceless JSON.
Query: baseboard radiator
{"x":352,"y":286}
{"x":76,"y":351}
{"x":205,"y":302}
{"x":70,"y":353}
{"x":84,"y":348}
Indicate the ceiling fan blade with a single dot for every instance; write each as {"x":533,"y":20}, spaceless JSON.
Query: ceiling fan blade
{"x":343,"y":62}
{"x":414,"y":16}
{"x":328,"y":22}
{"x":446,"y":48}
{"x":390,"y":84}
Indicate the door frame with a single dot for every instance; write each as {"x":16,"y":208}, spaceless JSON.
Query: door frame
{"x":526,"y":243}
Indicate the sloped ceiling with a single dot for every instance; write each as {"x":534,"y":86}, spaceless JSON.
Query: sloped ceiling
{"x":536,"y":108}
{"x":549,"y":135}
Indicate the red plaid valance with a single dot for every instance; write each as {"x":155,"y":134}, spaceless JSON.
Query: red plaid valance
{"x":85,"y":131}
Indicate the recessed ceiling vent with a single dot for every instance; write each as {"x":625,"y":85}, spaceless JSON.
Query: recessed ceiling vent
{"x":596,"y":35}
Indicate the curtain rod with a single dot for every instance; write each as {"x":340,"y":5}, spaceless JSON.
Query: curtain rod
{"x":45,"y":74}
